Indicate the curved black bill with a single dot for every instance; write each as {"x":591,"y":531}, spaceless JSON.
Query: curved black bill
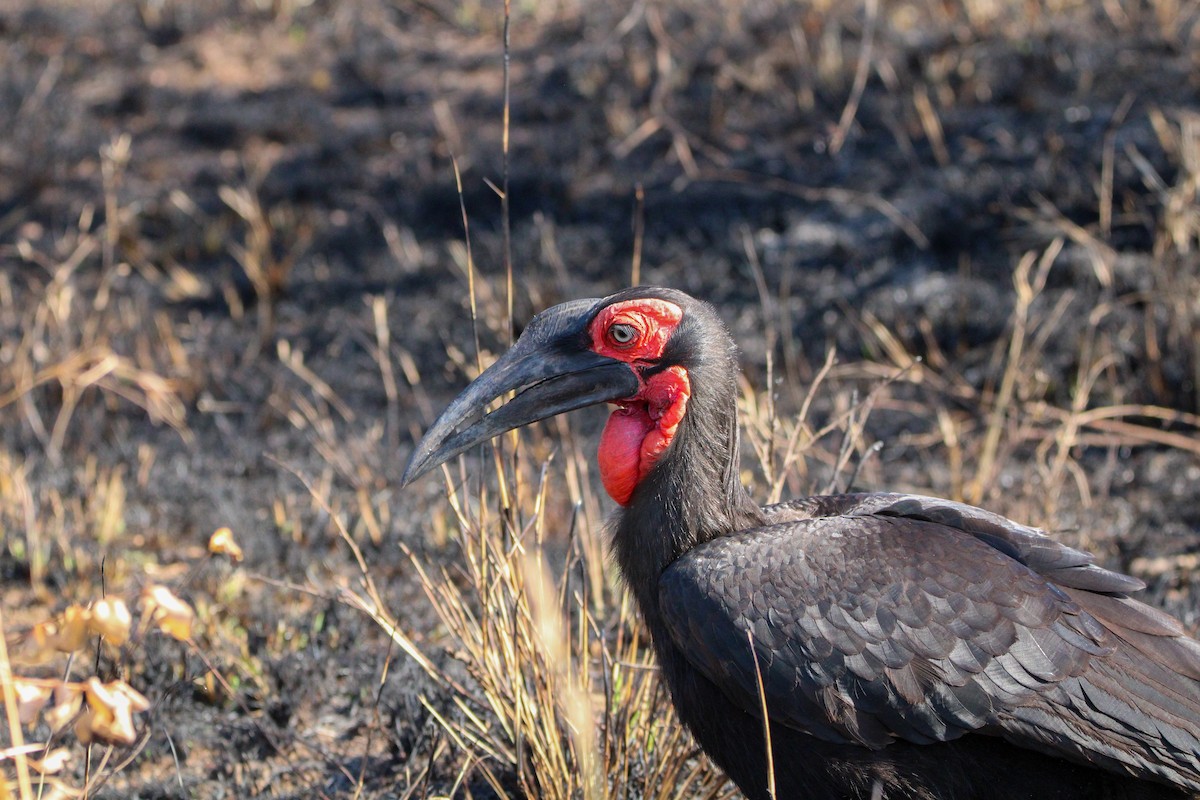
{"x":552,"y":373}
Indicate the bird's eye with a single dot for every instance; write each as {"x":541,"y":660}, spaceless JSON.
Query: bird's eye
{"x":622,"y":335}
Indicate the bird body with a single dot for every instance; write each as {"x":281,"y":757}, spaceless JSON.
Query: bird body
{"x":903,"y":646}
{"x":908,"y":651}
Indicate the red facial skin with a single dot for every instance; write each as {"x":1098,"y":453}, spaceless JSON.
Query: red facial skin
{"x":642,"y":427}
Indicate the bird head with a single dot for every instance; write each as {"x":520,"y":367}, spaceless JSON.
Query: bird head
{"x":634,"y":349}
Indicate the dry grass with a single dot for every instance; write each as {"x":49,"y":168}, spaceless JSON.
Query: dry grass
{"x":84,"y":353}
{"x":541,"y":680}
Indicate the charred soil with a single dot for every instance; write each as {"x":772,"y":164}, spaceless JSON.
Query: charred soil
{"x":233,"y":261}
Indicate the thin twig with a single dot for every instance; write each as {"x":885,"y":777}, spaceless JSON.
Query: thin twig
{"x":462,"y":207}
{"x":505,"y":220}
{"x":860,"y":79}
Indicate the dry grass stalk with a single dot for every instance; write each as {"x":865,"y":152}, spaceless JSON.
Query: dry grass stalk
{"x":1027,"y":290}
{"x":766,"y":724}
{"x":861,"y":73}
{"x":16,"y":736}
{"x":258,"y":256}
{"x":931,"y":125}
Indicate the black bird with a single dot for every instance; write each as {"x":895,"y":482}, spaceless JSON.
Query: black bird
{"x":909,"y":647}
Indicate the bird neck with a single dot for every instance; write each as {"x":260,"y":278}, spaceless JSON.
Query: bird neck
{"x":692,"y":495}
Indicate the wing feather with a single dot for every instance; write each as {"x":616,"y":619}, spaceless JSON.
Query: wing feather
{"x":878,"y":618}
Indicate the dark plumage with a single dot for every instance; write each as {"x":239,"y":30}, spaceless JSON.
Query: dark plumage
{"x":908,"y":647}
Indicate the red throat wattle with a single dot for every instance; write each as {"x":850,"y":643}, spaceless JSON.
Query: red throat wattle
{"x":642,"y":427}
{"x":640,"y":430}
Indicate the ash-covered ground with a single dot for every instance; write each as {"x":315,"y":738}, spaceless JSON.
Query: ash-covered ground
{"x":236,"y":198}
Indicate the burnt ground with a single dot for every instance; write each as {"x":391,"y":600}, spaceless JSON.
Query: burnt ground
{"x":313,"y":143}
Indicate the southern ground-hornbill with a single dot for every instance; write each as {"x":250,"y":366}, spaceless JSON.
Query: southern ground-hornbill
{"x":908,"y":647}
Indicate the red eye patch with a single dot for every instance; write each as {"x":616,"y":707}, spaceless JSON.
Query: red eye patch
{"x":635,"y":330}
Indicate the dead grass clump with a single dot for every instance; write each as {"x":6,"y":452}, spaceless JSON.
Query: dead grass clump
{"x":79,"y":342}
{"x":568,"y":685}
{"x":266,"y":261}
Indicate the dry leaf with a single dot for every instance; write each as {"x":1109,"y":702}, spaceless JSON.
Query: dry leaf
{"x":109,"y":715}
{"x":111,"y":619}
{"x":32,"y":696}
{"x":223,"y":543}
{"x":67,"y":699}
{"x":54,"y":762}
{"x":71,"y":632}
{"x":173,"y":616}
